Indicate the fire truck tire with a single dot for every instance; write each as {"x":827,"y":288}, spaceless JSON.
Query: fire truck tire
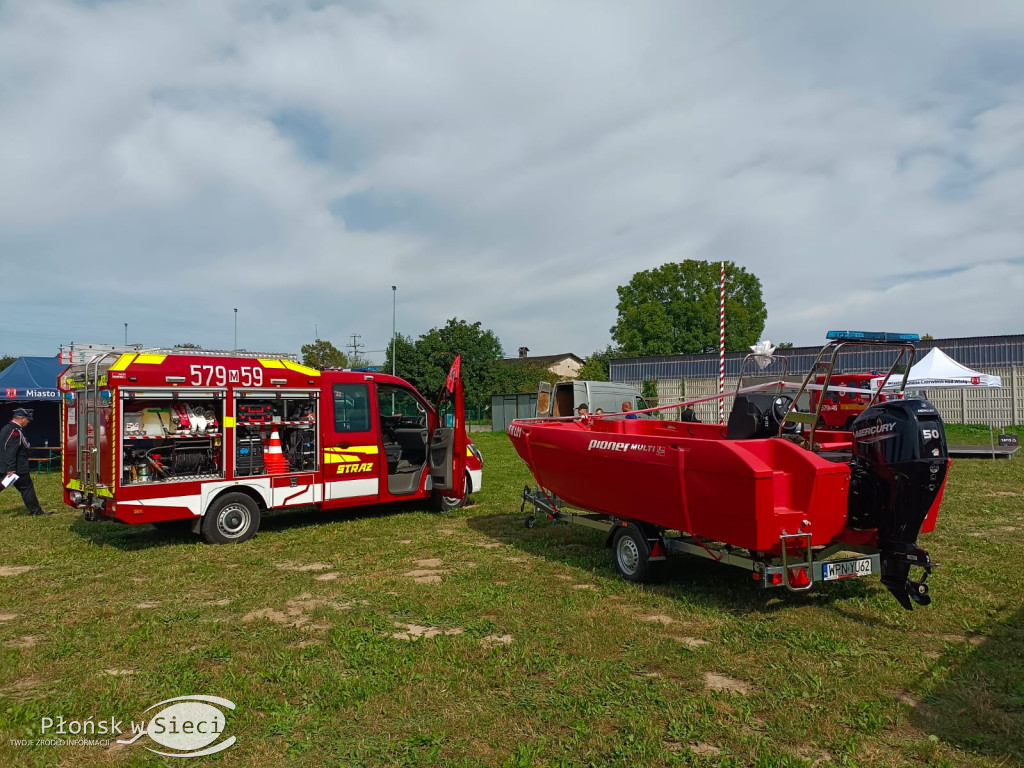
{"x":443,"y":503}
{"x":231,"y":519}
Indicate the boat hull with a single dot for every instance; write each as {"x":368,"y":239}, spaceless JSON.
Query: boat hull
{"x":688,"y":477}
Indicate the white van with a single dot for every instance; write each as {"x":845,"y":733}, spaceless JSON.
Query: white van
{"x":567,"y":396}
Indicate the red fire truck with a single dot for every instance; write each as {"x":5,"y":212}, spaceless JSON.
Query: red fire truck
{"x":847,"y":396}
{"x":211,"y":440}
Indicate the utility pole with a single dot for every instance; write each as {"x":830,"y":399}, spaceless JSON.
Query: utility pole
{"x":355,"y":346}
{"x":394,"y":294}
{"x":126,"y":334}
{"x":235,"y":348}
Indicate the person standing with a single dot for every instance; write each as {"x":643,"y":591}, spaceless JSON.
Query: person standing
{"x":14,"y":459}
{"x":627,"y":409}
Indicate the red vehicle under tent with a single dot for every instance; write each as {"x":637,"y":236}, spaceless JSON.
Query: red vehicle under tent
{"x":212,"y":440}
{"x":848,"y":395}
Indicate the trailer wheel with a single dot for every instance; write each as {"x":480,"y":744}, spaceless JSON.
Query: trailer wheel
{"x":232,"y":519}
{"x":531,"y":521}
{"x":630,"y":550}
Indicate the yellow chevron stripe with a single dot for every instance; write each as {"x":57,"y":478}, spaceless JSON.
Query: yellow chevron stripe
{"x":271,"y":363}
{"x":300,"y":368}
{"x":367,"y":449}
{"x":123,"y":361}
{"x":150,"y":359}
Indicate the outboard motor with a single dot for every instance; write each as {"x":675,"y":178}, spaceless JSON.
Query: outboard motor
{"x":898,"y":469}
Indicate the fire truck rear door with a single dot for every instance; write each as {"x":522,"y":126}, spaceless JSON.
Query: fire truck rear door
{"x":352,"y":462}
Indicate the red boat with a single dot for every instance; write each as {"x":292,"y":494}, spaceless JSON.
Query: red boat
{"x":768,"y":491}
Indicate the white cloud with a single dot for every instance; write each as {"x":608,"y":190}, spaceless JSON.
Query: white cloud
{"x":168,"y":161}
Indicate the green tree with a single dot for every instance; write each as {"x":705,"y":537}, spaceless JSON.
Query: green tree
{"x":597,"y":367}
{"x":407,"y":363}
{"x":510,"y":376}
{"x":784,"y":345}
{"x":425,"y":362}
{"x":323,"y":354}
{"x":6,"y":360}
{"x":927,"y":337}
{"x":674,"y":309}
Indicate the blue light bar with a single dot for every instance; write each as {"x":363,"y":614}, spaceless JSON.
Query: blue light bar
{"x":872,"y":336}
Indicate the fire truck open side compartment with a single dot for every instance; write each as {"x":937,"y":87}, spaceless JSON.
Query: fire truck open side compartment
{"x":169,"y":436}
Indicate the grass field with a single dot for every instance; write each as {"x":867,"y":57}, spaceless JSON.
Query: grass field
{"x":402,"y":637}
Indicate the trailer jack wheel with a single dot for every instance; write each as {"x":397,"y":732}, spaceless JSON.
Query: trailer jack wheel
{"x":531,"y":521}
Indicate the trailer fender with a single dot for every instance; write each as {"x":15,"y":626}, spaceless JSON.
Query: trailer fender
{"x":649,"y":533}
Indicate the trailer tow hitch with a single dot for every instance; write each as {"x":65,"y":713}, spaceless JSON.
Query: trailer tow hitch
{"x":896,"y":576}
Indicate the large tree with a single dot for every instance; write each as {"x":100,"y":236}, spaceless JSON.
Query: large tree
{"x":6,"y":360}
{"x":597,"y":367}
{"x":674,"y":309}
{"x":323,"y":354}
{"x":425,"y":362}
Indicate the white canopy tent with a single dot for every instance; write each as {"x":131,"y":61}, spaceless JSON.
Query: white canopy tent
{"x":937,"y":370}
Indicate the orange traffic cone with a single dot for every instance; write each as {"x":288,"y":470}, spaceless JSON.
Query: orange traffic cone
{"x":273,"y":459}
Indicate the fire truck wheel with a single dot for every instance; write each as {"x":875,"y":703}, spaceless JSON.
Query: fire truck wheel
{"x":630,"y":550}
{"x":232,"y":519}
{"x":443,"y":503}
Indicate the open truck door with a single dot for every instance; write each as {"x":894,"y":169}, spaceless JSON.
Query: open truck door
{"x":448,"y":442}
{"x":543,"y":399}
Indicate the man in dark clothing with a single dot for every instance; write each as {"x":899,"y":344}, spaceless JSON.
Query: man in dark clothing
{"x":14,"y":459}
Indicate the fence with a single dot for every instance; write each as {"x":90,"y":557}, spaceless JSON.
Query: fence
{"x":999,"y":407}
{"x":505,"y":408}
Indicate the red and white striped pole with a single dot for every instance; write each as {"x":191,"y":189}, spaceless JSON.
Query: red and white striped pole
{"x":721,"y":351}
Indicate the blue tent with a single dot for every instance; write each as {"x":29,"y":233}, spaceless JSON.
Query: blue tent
{"x":31,"y":382}
{"x":31,"y":379}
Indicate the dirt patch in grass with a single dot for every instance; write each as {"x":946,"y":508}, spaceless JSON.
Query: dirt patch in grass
{"x":119,"y":672}
{"x":689,"y":642}
{"x":493,"y":640}
{"x":657,"y":618}
{"x":1004,"y":493}
{"x":489,"y":545}
{"x":430,"y":562}
{"x":222,"y":602}
{"x":425,"y":575}
{"x":8,"y":616}
{"x":16,"y":570}
{"x":28,"y":641}
{"x":416,"y":631}
{"x":151,"y":604}
{"x":302,"y":567}
{"x":330,"y":576}
{"x":295,"y":612}
{"x":584,"y":586}
{"x":974,"y":640}
{"x":722,"y":683}
{"x":405,"y":541}
{"x":21,"y":687}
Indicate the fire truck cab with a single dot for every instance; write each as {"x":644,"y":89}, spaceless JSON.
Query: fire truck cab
{"x":212,"y":440}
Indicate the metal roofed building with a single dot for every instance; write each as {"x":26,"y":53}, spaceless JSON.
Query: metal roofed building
{"x":697,"y":375}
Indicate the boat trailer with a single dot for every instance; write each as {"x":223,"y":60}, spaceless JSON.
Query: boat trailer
{"x":639,"y":549}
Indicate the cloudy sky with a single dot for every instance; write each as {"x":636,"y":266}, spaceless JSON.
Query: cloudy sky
{"x":163,"y":162}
